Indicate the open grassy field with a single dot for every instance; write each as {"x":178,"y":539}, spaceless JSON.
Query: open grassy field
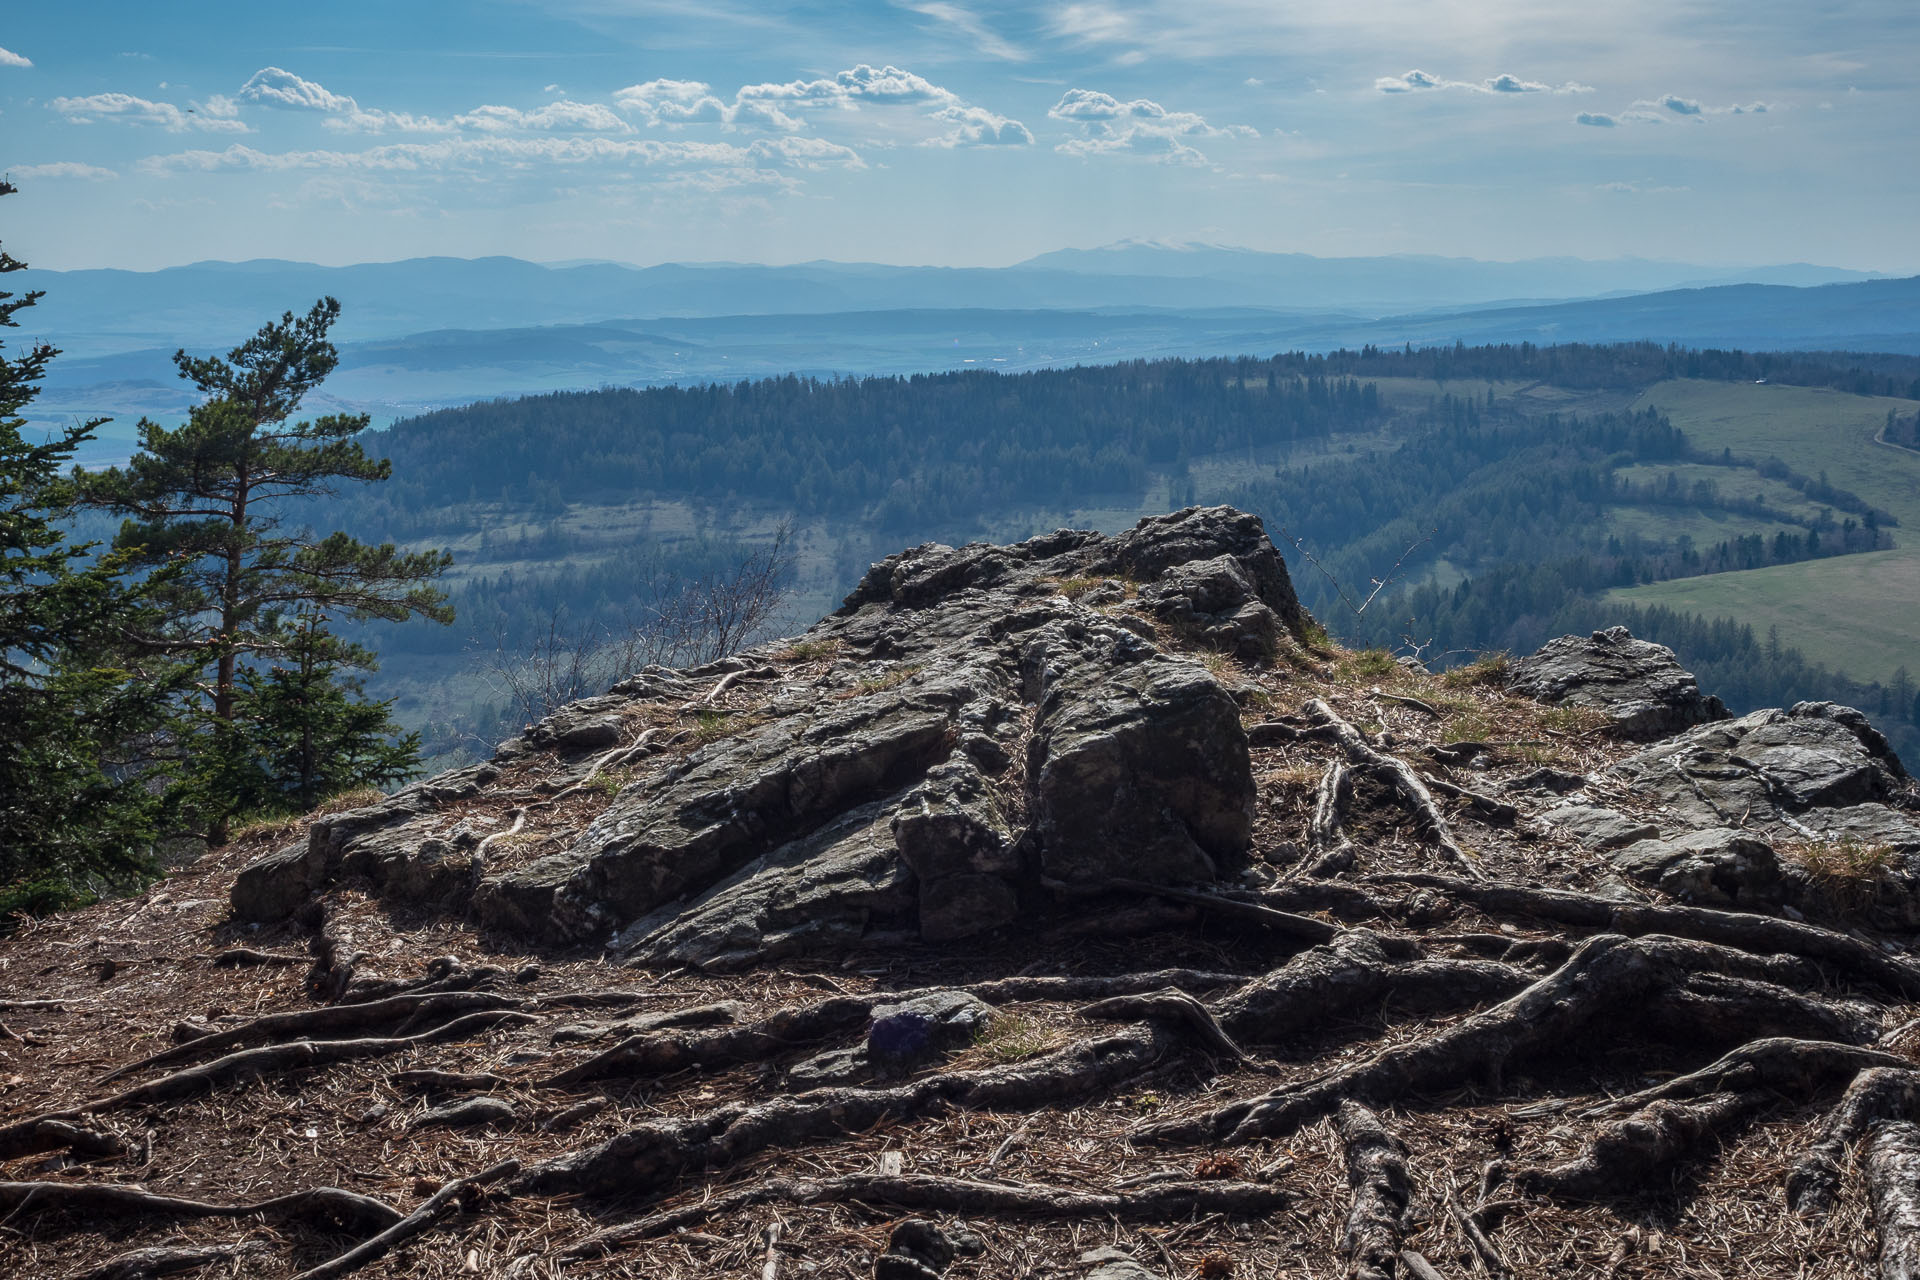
{"x":1858,"y":614}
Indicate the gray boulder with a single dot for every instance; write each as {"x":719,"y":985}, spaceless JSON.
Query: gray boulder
{"x":1716,"y":867}
{"x":1139,"y":769}
{"x":1638,"y":685}
{"x":1763,"y":771}
{"x":950,"y":832}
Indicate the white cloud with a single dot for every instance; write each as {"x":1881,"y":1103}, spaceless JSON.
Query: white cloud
{"x":1697,"y":111}
{"x":1597,"y":119}
{"x":979,"y":127}
{"x":806,"y":153}
{"x":65,"y":169}
{"x":1417,"y":81}
{"x":672,"y":102}
{"x":1139,"y":127}
{"x":783,"y":106}
{"x":969,"y":24}
{"x":555,"y":117}
{"x":1160,"y":147}
{"x":1411,"y":82}
{"x":8,"y":58}
{"x":276,"y":87}
{"x":214,"y":117}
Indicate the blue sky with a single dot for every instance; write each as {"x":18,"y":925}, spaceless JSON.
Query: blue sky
{"x":960,"y":132}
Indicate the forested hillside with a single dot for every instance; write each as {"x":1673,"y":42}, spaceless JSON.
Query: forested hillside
{"x":1526,"y":480}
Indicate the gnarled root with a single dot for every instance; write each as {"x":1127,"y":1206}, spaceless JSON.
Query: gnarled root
{"x":1892,"y":1162}
{"x":1167,"y":1202}
{"x":1630,"y":1153}
{"x":658,"y":1053}
{"x":1761,"y":934}
{"x":1173,"y":1006}
{"x":328,"y":1023}
{"x":249,"y":1064}
{"x":648,"y":1158}
{"x":49,"y":1133}
{"x":1382,"y":1194}
{"x":1886,"y":1092}
{"x":151,"y":1264}
{"x":410,"y":1226}
{"x":1396,"y":774}
{"x":1607,"y":975}
{"x":321,"y":1208}
{"x":1353,"y":974}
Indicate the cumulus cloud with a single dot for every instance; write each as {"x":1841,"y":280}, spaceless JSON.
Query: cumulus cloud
{"x":8,"y":58}
{"x":276,"y":87}
{"x":217,"y":116}
{"x":1598,"y":119}
{"x":66,"y":169}
{"x":1139,"y":127}
{"x":672,"y":102}
{"x":1417,"y":81}
{"x":1680,"y":106}
{"x":784,"y":106}
{"x":979,"y":127}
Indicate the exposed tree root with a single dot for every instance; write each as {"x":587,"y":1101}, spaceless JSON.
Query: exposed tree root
{"x":1886,"y":1092}
{"x":410,"y":1226}
{"x":1488,"y":807}
{"x":1282,"y":922}
{"x":1168,"y":1202}
{"x":1329,"y":798}
{"x":330,"y":1022}
{"x":1382,"y":1194}
{"x":1169,"y":1005}
{"x":1352,"y":978}
{"x":647,"y":1158}
{"x":321,"y":1208}
{"x":1727,"y":928}
{"x":1631,"y":1153}
{"x":656,"y":1053}
{"x":1396,"y":774}
{"x":249,"y":1064}
{"x":151,"y":1264}
{"x":1892,"y":1163}
{"x":1607,"y":976}
{"x":31,"y":1137}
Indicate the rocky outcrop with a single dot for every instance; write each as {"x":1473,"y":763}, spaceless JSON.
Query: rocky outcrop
{"x":1640,"y":686}
{"x":978,"y":735}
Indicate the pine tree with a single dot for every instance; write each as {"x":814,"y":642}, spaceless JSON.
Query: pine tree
{"x":77,"y":813}
{"x":310,"y":730}
{"x":212,"y":497}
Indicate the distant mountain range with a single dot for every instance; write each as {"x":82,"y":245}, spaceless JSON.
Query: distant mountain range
{"x":429,"y":332}
{"x":211,"y":303}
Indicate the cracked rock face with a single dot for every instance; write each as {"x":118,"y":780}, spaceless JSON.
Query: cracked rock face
{"x":979,"y":735}
{"x":1638,"y":685}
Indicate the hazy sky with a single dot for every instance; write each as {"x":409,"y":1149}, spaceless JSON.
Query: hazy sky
{"x":960,"y":132}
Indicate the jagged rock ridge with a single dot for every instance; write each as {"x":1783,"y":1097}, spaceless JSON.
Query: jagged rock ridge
{"x":980,"y":733}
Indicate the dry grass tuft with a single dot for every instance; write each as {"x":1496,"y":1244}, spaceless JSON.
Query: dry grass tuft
{"x":1489,"y":669}
{"x":1846,"y":871}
